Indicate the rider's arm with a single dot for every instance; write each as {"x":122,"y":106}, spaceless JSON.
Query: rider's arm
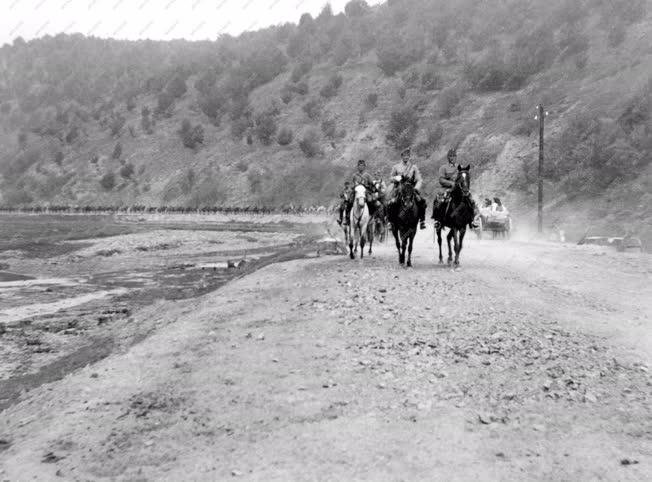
{"x":443,"y":180}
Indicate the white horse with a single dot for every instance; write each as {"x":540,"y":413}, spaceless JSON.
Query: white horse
{"x":358,"y":221}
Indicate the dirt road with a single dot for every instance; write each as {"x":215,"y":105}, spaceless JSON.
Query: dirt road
{"x":532,"y":362}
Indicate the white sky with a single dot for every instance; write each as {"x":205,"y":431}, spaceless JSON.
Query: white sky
{"x":155,"y":19}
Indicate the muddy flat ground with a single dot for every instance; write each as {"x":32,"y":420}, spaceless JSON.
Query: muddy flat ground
{"x":531,"y":363}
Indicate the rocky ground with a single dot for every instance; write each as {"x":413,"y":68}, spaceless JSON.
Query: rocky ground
{"x":532,"y":362}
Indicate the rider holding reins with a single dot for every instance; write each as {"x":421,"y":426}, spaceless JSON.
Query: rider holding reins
{"x":361,"y":177}
{"x":447,"y":175}
{"x":407,"y":170}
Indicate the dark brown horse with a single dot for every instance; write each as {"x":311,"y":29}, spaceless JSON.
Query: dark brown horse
{"x":403,"y":214}
{"x":455,"y":214}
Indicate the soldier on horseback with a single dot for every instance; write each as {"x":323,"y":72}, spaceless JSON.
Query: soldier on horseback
{"x":361,"y":177}
{"x":409,"y":171}
{"x":447,"y":176}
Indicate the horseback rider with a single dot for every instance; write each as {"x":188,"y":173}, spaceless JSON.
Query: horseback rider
{"x":407,"y":170}
{"x":361,"y":177}
{"x":345,"y":195}
{"x":447,"y":176}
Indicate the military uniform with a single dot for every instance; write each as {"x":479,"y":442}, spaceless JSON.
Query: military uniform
{"x":363,"y":178}
{"x":447,"y":175}
{"x":408,"y":171}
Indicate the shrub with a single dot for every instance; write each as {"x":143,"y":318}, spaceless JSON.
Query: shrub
{"x":331,"y":87}
{"x":211,"y":104}
{"x":448,"y":100}
{"x":309,"y":144}
{"x":300,"y":70}
{"x":328,"y":128}
{"x":312,"y":108}
{"x":433,"y":137}
{"x":284,"y":136}
{"x":403,"y":125}
{"x":286,"y":95}
{"x":191,"y":136}
{"x":117,"y":151}
{"x":108,"y":181}
{"x":116,"y":125}
{"x":177,"y":85}
{"x":58,"y":158}
{"x":165,"y":104}
{"x":127,"y":170}
{"x":371,"y":101}
{"x":356,"y":8}
{"x":265,"y":127}
{"x":72,"y":135}
{"x":395,"y":53}
{"x":131,"y":103}
{"x":342,"y":51}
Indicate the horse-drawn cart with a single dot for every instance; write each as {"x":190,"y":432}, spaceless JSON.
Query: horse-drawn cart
{"x":496,"y":221}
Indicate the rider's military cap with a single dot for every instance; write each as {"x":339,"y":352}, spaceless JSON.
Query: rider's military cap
{"x":452,"y":153}
{"x":407,"y":150}
{"x":361,"y":161}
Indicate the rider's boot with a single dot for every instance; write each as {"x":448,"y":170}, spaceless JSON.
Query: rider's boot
{"x":476,"y":212}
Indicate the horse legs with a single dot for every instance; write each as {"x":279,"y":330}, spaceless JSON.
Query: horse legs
{"x":458,"y":246}
{"x":404,"y":243}
{"x":439,"y":228}
{"x":362,"y":242}
{"x":349,"y":236}
{"x":448,"y":241}
{"x":370,"y":234}
{"x":411,"y":240}
{"x":398,"y":244}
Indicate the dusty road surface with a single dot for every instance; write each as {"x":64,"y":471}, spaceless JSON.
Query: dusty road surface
{"x":531,"y":363}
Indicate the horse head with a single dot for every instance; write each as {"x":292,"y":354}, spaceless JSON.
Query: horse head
{"x":360,"y":195}
{"x":406,"y":191}
{"x":463,"y":180}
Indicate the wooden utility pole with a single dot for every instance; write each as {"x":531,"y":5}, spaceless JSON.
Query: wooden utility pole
{"x":541,"y":115}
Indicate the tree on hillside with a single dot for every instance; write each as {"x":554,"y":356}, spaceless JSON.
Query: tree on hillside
{"x":265,"y":127}
{"x":356,"y":8}
{"x":312,"y":108}
{"x":284,"y":136}
{"x":177,"y":85}
{"x":108,"y":181}
{"x":309,"y":144}
{"x":191,"y":136}
{"x":403,"y":126}
{"x":165,"y":104}
{"x":331,"y":87}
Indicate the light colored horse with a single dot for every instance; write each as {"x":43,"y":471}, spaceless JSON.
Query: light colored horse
{"x":358,"y":221}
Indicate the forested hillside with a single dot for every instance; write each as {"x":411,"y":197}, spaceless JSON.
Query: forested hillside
{"x":280,"y":115}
